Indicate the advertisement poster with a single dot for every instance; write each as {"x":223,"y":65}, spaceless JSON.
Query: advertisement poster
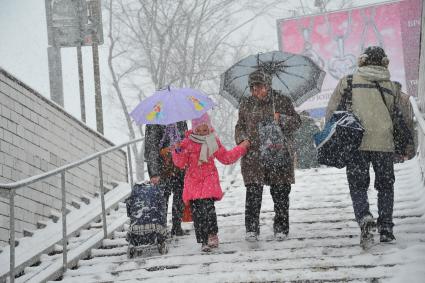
{"x":334,"y":41}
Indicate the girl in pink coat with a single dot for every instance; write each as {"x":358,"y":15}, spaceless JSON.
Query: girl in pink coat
{"x":202,"y":188}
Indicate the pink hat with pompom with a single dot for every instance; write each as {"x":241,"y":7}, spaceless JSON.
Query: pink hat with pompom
{"x":204,"y":119}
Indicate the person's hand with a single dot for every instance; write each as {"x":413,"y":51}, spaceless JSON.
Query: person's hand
{"x":155,"y":180}
{"x":176,"y":147}
{"x":246,"y":144}
{"x":276,"y":117}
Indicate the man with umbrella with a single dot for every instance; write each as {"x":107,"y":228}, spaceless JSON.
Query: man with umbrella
{"x":264,"y":104}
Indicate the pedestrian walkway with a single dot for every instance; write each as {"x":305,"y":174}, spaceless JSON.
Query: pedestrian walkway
{"x":323,"y":242}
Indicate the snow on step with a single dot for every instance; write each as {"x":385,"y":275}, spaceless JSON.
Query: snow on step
{"x":37,"y":255}
{"x":323,"y":244}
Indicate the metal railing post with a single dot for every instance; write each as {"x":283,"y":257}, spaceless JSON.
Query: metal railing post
{"x":102,"y":198}
{"x":64,"y":232}
{"x":12,"y":234}
{"x":130,"y":165}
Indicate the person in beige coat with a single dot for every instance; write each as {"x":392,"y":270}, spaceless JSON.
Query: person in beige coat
{"x":252,"y":111}
{"x":377,"y":147}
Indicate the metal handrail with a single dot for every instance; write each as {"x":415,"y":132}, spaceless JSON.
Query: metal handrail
{"x":33,"y":179}
{"x":420,"y":118}
{"x":418,"y":114}
{"x":12,"y":187}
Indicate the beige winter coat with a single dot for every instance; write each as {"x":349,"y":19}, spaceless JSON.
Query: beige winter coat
{"x":369,"y":107}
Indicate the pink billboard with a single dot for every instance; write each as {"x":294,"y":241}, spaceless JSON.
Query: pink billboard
{"x":335,"y":40}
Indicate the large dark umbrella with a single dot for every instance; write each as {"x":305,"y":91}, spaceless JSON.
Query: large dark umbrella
{"x":294,"y":75}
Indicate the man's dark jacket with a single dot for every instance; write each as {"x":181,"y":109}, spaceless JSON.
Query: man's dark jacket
{"x":153,"y":136}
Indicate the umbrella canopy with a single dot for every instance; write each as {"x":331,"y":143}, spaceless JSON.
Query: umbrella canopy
{"x":171,"y":105}
{"x":294,"y":75}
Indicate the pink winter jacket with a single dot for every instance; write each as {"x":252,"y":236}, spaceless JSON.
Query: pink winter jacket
{"x":202,"y":181}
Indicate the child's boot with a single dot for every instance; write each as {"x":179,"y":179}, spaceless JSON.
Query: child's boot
{"x":205,"y":248}
{"x":213,"y":241}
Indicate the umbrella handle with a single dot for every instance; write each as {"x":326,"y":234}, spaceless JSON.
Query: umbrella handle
{"x":172,"y":132}
{"x":271,"y":94}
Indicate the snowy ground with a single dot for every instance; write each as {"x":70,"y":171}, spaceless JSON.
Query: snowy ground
{"x":322,"y":244}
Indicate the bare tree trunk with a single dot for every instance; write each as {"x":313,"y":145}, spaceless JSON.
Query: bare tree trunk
{"x":138,"y":158}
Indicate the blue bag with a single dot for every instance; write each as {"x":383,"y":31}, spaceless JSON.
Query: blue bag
{"x":147,"y":212}
{"x":339,"y":140}
{"x":342,"y":135}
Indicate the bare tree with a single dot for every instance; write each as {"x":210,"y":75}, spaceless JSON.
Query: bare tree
{"x":117,"y":77}
{"x":182,"y":43}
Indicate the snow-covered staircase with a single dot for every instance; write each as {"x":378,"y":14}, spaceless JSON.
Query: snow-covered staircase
{"x":39,"y":256}
{"x":323,"y":243}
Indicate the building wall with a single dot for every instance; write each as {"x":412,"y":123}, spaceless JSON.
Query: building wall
{"x":37,"y":135}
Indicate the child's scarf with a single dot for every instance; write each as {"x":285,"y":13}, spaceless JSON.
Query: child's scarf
{"x":208,"y":148}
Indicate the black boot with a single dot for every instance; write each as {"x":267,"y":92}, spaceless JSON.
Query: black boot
{"x":177,"y":230}
{"x":367,"y":226}
{"x":386,"y":236}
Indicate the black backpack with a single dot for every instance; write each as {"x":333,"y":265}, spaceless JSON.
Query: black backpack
{"x":401,"y":133}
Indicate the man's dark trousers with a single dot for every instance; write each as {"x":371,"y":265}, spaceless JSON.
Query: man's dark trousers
{"x":280,"y":196}
{"x":359,"y":179}
{"x":174,"y":184}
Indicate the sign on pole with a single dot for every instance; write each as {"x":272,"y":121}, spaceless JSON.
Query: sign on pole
{"x":71,"y":23}
{"x":74,"y":23}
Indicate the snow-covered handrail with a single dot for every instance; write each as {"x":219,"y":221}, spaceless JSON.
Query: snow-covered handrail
{"x":39,"y":177}
{"x":420,"y":117}
{"x":12,"y":187}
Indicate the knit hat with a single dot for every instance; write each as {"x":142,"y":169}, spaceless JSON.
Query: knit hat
{"x":204,"y":119}
{"x":373,"y":55}
{"x":259,"y":77}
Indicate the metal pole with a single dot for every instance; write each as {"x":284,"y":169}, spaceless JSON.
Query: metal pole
{"x":12,"y":234}
{"x":130,"y":165}
{"x":64,"y":232}
{"x":54,"y":59}
{"x":98,"y":96}
{"x":102,"y":198}
{"x":81,"y":81}
{"x":55,"y":74}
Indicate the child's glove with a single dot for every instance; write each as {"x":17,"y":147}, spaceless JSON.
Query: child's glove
{"x":177,"y":148}
{"x":245,"y":144}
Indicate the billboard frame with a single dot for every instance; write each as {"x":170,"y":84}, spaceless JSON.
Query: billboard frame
{"x":278,"y":21}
